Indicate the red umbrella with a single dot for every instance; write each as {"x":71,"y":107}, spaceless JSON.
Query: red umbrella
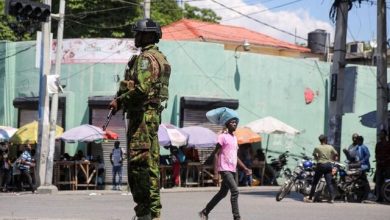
{"x":110,"y":135}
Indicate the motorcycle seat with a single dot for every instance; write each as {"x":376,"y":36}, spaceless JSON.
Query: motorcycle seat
{"x":354,"y":165}
{"x":354,"y":172}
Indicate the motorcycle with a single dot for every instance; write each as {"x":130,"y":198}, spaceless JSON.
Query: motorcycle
{"x":301,"y":178}
{"x":386,"y":188}
{"x":352,"y":184}
{"x":276,"y":169}
{"x":349,"y":181}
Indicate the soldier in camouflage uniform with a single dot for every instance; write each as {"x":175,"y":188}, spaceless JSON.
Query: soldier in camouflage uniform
{"x":142,"y":95}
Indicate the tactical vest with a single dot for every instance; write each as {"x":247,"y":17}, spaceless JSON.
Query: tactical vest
{"x":159,"y":91}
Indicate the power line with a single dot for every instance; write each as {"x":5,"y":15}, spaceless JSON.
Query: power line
{"x":127,"y":2}
{"x":18,"y":52}
{"x":97,"y":27}
{"x":97,"y":11}
{"x":258,"y":21}
{"x":275,"y":7}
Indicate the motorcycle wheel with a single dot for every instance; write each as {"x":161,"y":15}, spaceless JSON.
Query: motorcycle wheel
{"x":386,"y":191}
{"x":284,"y":190}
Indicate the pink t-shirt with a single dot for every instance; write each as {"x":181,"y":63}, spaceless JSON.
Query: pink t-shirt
{"x":228,"y":155}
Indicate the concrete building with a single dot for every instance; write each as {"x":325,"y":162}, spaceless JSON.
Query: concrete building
{"x":205,"y":75}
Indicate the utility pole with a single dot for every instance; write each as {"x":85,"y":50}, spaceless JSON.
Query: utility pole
{"x":147,"y":8}
{"x":43,"y":109}
{"x":54,"y":100}
{"x":337,"y":77}
{"x":381,"y":70}
{"x":181,"y":4}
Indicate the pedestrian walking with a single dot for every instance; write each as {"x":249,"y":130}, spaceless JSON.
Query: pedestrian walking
{"x":225,"y":162}
{"x":142,"y":95}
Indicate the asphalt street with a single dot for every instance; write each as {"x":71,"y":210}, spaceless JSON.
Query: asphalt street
{"x":181,"y":203}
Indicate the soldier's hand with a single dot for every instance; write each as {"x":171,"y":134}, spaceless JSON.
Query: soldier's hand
{"x":114,"y":105}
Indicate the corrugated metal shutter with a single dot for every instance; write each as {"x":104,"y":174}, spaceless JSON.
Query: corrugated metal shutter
{"x":28,"y":115}
{"x":117,"y":125}
{"x":197,"y":117}
{"x":193,"y":111}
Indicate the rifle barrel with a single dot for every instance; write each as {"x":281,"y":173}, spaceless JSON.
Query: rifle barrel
{"x":108,"y":118}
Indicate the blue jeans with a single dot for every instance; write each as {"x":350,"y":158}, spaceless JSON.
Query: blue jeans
{"x":228,"y":183}
{"x":117,"y":170}
{"x":25,"y":175}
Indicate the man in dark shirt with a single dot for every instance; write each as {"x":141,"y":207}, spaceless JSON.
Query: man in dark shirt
{"x":382,"y":156}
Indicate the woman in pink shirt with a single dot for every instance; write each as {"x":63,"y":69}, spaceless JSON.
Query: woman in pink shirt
{"x":226,"y":161}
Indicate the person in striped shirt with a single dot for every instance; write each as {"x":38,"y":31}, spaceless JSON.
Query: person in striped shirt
{"x":26,"y":163}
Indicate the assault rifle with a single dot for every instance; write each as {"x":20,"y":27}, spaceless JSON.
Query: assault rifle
{"x":108,"y":118}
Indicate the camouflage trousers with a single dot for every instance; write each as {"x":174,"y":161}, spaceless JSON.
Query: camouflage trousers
{"x":143,"y":162}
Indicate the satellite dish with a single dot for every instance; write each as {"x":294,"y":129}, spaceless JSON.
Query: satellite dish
{"x":373,"y":43}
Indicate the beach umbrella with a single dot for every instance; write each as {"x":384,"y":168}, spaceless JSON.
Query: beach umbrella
{"x":83,"y":133}
{"x":246,"y":136}
{"x":28,"y":134}
{"x":171,"y":135}
{"x":200,"y":136}
{"x":270,"y":125}
{"x":6,"y":133}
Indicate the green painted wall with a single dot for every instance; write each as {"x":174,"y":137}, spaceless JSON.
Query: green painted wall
{"x":264,"y":85}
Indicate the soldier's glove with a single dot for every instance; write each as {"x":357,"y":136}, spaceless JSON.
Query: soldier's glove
{"x":126,"y":85}
{"x":114,"y":106}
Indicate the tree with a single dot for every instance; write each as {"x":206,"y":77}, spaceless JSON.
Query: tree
{"x":98,"y":18}
{"x":202,"y":14}
{"x":109,"y":18}
{"x":102,"y":18}
{"x":165,"y":11}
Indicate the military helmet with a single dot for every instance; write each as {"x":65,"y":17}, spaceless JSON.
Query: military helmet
{"x":147,"y":25}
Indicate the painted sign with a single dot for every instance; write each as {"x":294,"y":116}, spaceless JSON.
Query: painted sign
{"x":95,"y":50}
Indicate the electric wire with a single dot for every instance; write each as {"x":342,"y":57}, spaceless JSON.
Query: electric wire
{"x":99,"y":27}
{"x":96,"y":11}
{"x":16,"y":53}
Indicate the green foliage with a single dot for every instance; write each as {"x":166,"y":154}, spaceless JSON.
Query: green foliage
{"x":102,"y":18}
{"x":201,"y":14}
{"x":98,"y":18}
{"x":165,"y":11}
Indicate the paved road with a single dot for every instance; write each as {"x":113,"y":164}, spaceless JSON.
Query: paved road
{"x":255,"y":203}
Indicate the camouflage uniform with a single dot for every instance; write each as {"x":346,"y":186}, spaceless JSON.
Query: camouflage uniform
{"x":141,"y":95}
